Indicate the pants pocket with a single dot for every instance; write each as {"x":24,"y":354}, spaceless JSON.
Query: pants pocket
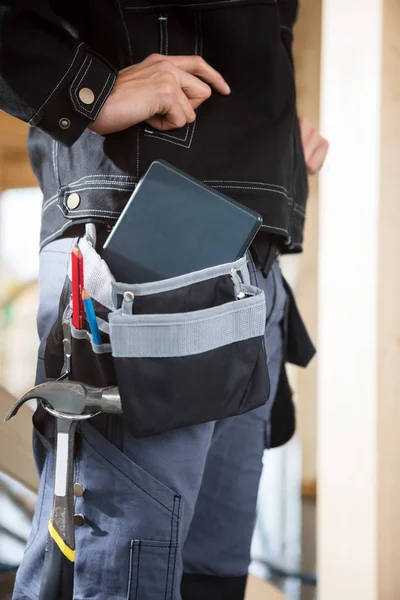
{"x":121,"y":502}
{"x":152,"y":570}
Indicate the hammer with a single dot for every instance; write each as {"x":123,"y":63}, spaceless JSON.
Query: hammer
{"x":69,"y":402}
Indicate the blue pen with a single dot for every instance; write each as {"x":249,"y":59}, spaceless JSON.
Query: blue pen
{"x":91,"y":317}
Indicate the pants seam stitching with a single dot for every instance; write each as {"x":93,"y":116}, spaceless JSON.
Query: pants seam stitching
{"x":122,"y":473}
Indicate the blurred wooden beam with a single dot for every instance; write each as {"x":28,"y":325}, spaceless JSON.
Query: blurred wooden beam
{"x":388,"y":481}
{"x":15,"y":168}
{"x":307,"y":53}
{"x":309,"y":490}
{"x":257,"y":589}
{"x":13,"y":132}
{"x":25,"y":502}
{"x":17,"y":171}
{"x":16,"y":458}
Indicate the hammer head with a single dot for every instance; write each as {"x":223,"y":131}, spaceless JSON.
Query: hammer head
{"x":72,"y":398}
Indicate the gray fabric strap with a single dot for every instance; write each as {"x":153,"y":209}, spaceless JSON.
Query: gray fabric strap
{"x":102,"y":325}
{"x":185,"y":334}
{"x":174,"y":283}
{"x":83,"y":334}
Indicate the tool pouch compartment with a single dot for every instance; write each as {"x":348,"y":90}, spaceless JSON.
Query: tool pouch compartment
{"x":187,"y":350}
{"x":91,"y":363}
{"x":71,"y":352}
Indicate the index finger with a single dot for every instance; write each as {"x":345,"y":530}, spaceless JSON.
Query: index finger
{"x":195,"y":65}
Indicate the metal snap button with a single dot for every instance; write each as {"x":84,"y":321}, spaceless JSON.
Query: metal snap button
{"x":79,"y":520}
{"x":79,"y":490}
{"x":86,"y":96}
{"x":73,"y":201}
{"x":64,"y":123}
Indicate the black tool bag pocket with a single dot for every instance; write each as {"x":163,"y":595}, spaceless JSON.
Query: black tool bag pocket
{"x":189,"y":349}
{"x":70,"y":352}
{"x":91,"y":363}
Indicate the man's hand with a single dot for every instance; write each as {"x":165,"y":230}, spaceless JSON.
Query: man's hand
{"x":162,"y":90}
{"x":314,"y":145}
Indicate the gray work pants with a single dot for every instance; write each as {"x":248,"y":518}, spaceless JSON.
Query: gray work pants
{"x":155,"y":508}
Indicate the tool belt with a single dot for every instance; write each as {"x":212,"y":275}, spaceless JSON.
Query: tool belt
{"x":182,"y":351}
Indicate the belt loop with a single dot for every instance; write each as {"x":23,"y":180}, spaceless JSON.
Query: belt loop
{"x":265,"y":266}
{"x":269,"y":261}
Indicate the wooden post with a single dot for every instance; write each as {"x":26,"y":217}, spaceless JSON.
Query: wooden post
{"x":307,"y":54}
{"x":388,"y":350}
{"x":359,"y":300}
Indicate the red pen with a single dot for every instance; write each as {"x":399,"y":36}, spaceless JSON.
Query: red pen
{"x":78,"y":313}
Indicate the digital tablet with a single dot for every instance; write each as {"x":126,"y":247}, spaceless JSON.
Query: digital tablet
{"x":173,"y":225}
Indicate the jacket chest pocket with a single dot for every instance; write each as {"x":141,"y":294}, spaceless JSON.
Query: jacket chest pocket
{"x":171,"y":32}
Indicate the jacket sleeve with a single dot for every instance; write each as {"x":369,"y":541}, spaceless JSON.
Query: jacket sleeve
{"x":288,"y":11}
{"x":48,"y":77}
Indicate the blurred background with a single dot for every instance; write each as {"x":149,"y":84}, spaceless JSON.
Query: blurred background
{"x":337,"y":480}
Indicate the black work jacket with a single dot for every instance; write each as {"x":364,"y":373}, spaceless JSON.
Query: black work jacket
{"x":247,"y":144}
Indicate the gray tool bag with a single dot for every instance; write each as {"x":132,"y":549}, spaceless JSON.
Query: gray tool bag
{"x":183,"y":351}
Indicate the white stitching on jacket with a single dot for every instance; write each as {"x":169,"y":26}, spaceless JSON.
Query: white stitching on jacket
{"x":129,"y":184}
{"x":151,"y":132}
{"x":163,"y":21}
{"x":105,"y":96}
{"x":176,"y":142}
{"x":133,"y":177}
{"x":267,"y":227}
{"x":189,"y":127}
{"x":161,"y":35}
{"x":50,"y":199}
{"x":57,"y":86}
{"x":137,"y":151}
{"x":74,"y":88}
{"x":299,"y":210}
{"x":251,"y":182}
{"x":46,"y":206}
{"x":75,"y":78}
{"x":80,"y":71}
{"x":67,"y":192}
{"x":54,"y":159}
{"x":57,"y":164}
{"x":99,"y":96}
{"x":237,"y":187}
{"x":166,"y":35}
{"x":126,"y":32}
{"x":134,"y":8}
{"x":91,"y":211}
{"x":54,"y":235}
